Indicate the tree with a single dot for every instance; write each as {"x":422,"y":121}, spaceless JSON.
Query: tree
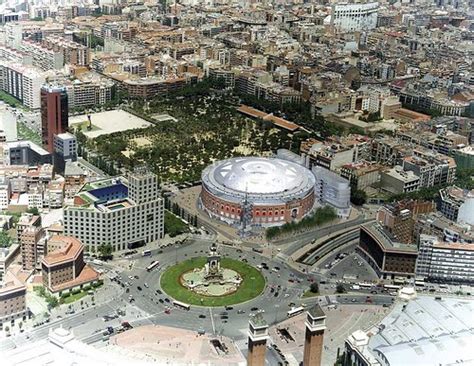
{"x":5,"y":239}
{"x":340,"y":288}
{"x":105,"y":251}
{"x":20,"y":325}
{"x":33,"y":211}
{"x":314,"y":288}
{"x":52,"y":301}
{"x":358,"y":197}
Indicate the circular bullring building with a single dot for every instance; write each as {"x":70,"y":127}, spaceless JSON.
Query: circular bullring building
{"x":267,"y":191}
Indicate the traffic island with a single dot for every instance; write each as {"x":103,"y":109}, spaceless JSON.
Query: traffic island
{"x":246,"y":283}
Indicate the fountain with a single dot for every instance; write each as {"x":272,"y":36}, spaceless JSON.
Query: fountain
{"x":212,"y":279}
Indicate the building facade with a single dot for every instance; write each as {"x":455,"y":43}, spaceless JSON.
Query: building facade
{"x":54,"y":114}
{"x":120,"y":212}
{"x":333,"y":190}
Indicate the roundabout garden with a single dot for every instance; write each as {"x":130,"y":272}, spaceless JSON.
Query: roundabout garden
{"x":248,"y":284}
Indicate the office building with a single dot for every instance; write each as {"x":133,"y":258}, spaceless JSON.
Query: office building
{"x":354,"y":17}
{"x":314,"y":336}
{"x":65,"y":150}
{"x":54,"y":114}
{"x":116,"y":211}
{"x":257,"y":341}
{"x":424,"y":331}
{"x":333,"y":190}
{"x":63,"y":266}
{"x":444,"y":262}
{"x":386,"y":256}
{"x":25,"y":153}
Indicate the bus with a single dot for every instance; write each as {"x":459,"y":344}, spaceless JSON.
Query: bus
{"x":295,"y":311}
{"x":152,"y":266}
{"x":181,"y":305}
{"x":146,"y":253}
{"x":391,"y":287}
{"x":420,"y":283}
{"x":97,"y":262}
{"x":365,"y":285}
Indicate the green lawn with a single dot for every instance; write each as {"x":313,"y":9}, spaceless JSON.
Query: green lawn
{"x":72,"y":298}
{"x":252,"y":284}
{"x":83,"y":126}
{"x":308,"y":293}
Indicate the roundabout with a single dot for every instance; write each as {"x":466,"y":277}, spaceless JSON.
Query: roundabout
{"x":212,"y":281}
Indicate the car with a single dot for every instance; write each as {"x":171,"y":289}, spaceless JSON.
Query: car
{"x":202,"y":316}
{"x":353,"y":300}
{"x":224,"y":313}
{"x":139,"y":288}
{"x":292,"y":305}
{"x":167,"y":300}
{"x":254,"y":309}
{"x":145,"y":284}
{"x":161,"y":301}
{"x":291,"y":280}
{"x":167,"y":311}
{"x":240,"y":311}
{"x":245,"y":260}
{"x":276,"y":294}
{"x":224,"y":317}
{"x":158,"y":291}
{"x":272,"y":290}
{"x":277,"y":268}
{"x":136,"y":277}
{"x":228,"y":307}
{"x":130,"y":278}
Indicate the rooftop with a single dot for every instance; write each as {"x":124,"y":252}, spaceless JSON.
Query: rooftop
{"x":71,"y":247}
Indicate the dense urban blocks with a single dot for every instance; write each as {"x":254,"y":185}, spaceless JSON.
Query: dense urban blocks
{"x":251,"y":286}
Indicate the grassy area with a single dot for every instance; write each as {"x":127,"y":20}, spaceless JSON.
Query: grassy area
{"x":28,"y":134}
{"x":83,"y":126}
{"x":72,"y":298}
{"x":308,"y":293}
{"x":252,"y":284}
{"x":12,"y":101}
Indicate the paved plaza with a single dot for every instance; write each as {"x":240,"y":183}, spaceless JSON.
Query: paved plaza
{"x":340,"y":323}
{"x":104,"y":123}
{"x":173,"y":346}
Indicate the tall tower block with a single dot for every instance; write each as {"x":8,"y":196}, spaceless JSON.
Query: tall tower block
{"x":258,"y":335}
{"x":313,"y":345}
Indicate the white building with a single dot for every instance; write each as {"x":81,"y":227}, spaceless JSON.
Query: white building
{"x":333,"y":190}
{"x":354,"y":17}
{"x":422,"y":331}
{"x":445,"y":262}
{"x":396,"y":180}
{"x":5,"y":192}
{"x":8,"y":130}
{"x":23,"y":83}
{"x":36,"y":197}
{"x":120,"y":212}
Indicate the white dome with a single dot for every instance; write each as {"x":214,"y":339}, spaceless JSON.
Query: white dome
{"x":269,"y":178}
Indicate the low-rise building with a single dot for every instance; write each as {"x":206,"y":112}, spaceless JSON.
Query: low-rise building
{"x":361,"y":175}
{"x":7,"y":257}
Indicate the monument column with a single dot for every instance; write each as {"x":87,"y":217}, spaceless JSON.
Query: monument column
{"x":314,"y":336}
{"x":258,"y":335}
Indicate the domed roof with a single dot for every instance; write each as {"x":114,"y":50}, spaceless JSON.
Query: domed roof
{"x":256,"y":176}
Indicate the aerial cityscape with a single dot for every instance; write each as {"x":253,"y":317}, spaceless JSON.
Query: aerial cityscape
{"x":237,"y":182}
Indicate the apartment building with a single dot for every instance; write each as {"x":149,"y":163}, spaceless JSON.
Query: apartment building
{"x":43,"y":57}
{"x":23,"y":83}
{"x":7,"y":256}
{"x":450,"y":201}
{"x":432,"y":168}
{"x":396,"y":181}
{"x":120,"y":212}
{"x":73,"y":53}
{"x":31,"y":253}
{"x":354,"y":17}
{"x":82,"y":94}
{"x":440,"y":261}
{"x":361,"y":175}
{"x":5,"y":192}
